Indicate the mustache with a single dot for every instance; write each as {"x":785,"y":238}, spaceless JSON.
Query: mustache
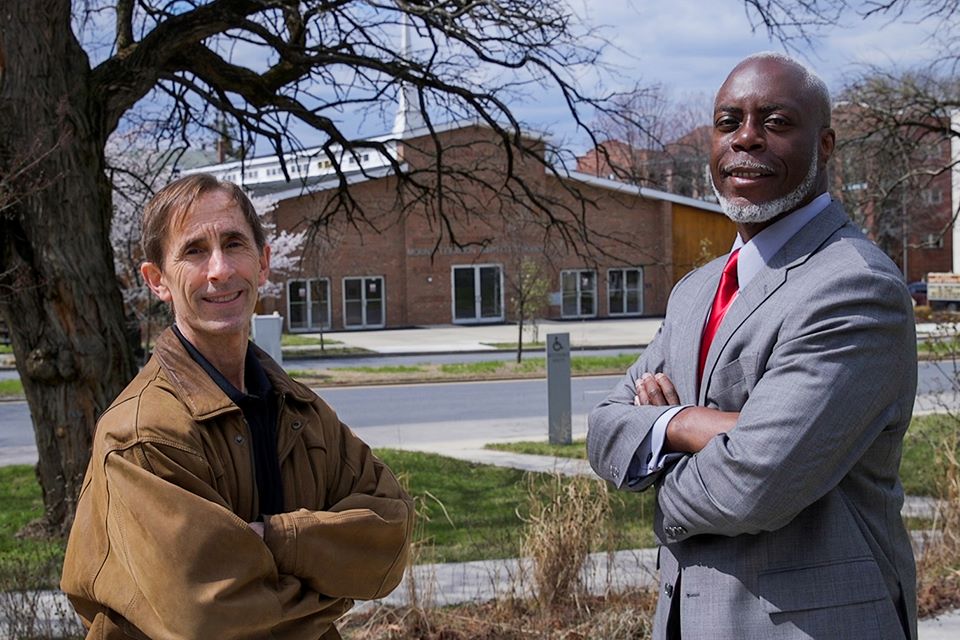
{"x":748,"y":165}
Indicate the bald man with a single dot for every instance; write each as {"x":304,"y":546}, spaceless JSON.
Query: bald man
{"x":770,"y":410}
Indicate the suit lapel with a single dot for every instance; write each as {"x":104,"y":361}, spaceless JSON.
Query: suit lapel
{"x":795,"y":252}
{"x":691,"y":329}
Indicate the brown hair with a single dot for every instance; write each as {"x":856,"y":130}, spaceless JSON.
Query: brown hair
{"x":177,"y":198}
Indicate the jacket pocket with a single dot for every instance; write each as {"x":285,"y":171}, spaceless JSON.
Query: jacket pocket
{"x":819,"y":586}
{"x":731,"y":384}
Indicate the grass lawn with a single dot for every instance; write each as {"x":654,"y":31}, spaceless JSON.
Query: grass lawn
{"x":396,"y":368}
{"x":512,"y":346}
{"x":11,"y":388}
{"x":301,"y":340}
{"x":27,"y":563}
{"x":472,"y":513}
{"x":923,"y":445}
{"x":576,"y":449}
{"x":473,"y":509}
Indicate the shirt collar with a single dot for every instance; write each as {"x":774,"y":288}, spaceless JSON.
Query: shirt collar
{"x":254,"y":376}
{"x":755,"y":254}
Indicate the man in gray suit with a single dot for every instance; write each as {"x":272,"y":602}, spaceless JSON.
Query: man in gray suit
{"x":770,"y":409}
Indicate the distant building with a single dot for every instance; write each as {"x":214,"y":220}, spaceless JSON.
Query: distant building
{"x":680,"y":167}
{"x":396,"y":268}
{"x":912,"y":220}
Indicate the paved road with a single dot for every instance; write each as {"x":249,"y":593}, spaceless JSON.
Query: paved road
{"x":402,"y":415}
{"x":406,"y":415}
{"x":433,"y":358}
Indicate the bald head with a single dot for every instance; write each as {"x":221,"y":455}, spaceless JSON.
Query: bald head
{"x":771,"y":140}
{"x":808,"y":82}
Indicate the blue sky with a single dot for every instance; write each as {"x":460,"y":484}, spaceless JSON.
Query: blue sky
{"x":688,"y":47}
{"x":685,"y":46}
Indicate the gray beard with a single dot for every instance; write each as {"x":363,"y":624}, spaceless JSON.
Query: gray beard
{"x":764,"y":211}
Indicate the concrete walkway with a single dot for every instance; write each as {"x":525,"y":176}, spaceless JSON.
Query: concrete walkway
{"x":628,"y":332}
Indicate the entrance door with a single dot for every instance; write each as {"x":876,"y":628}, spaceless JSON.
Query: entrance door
{"x":363,"y":302}
{"x":477,"y":293}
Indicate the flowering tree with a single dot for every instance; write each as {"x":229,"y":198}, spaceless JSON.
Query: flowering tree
{"x":136,"y":172}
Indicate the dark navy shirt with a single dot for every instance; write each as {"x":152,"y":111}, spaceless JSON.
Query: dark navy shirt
{"x":259,"y":406}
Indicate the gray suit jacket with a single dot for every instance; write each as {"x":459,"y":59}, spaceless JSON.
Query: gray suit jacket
{"x":788,"y":526}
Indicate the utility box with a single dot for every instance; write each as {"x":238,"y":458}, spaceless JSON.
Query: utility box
{"x":558,"y":388}
{"x":266,"y":332}
{"x":943,"y":291}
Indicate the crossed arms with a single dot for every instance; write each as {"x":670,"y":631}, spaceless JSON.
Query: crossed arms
{"x":822,"y":394}
{"x":693,"y":427}
{"x":163,"y":550}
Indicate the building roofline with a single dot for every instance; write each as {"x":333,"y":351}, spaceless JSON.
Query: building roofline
{"x":354,"y":177}
{"x":643,"y":192}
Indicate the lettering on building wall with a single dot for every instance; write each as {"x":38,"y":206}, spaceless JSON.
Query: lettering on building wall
{"x":451,"y":251}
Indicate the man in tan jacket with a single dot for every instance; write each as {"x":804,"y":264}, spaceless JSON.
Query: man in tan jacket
{"x":224,"y":500}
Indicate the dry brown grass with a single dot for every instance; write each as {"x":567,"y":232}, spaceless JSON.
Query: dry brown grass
{"x":30,"y":614}
{"x":938,"y":563}
{"x":567,"y":519}
{"x":623,"y":616}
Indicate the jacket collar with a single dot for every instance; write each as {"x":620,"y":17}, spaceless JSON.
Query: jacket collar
{"x":771,"y":277}
{"x":197,"y":390}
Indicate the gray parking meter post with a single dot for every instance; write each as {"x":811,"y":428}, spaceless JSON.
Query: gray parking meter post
{"x":558,"y":388}
{"x":266,"y":332}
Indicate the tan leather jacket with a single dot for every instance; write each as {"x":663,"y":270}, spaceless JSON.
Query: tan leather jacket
{"x":160,"y":547}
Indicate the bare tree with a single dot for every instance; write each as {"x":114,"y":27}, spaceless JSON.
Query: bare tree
{"x":893,"y":156}
{"x":895,"y":125}
{"x":651,"y":140}
{"x":264,"y":64}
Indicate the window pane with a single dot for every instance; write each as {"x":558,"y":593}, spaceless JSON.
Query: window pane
{"x":616,"y":301}
{"x":464,"y":296}
{"x":586,"y":303}
{"x":568,"y":285}
{"x":296,"y":294}
{"x":354,"y":313}
{"x":490,"y":292}
{"x":319,"y":303}
{"x":374,"y":312}
{"x":633,"y":301}
{"x":615,"y":291}
{"x":588,"y":292}
{"x":352,"y":289}
{"x":374,"y":288}
{"x":353,"y":302}
{"x":615,"y":280}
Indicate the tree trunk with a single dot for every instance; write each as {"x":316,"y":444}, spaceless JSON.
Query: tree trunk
{"x":58,"y":290}
{"x":520,"y":315}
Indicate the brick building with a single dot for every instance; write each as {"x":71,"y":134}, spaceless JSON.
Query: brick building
{"x":396,"y":266}
{"x":899,"y":192}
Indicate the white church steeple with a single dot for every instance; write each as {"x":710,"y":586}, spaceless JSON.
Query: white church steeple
{"x":408,"y":115}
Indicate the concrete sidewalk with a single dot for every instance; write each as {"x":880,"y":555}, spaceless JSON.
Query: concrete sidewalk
{"x":627,"y":332}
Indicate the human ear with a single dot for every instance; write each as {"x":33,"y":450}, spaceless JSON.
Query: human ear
{"x":827,"y":142}
{"x":153,"y":276}
{"x":264,"y":265}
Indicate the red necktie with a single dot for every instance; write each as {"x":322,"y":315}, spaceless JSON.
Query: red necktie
{"x":726,"y":292}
